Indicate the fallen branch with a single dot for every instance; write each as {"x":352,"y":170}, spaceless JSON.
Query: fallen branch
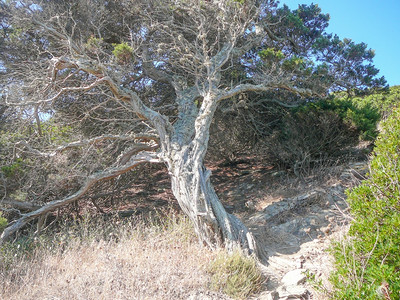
{"x":91,"y":180}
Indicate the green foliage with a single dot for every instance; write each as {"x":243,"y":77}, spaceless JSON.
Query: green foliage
{"x":363,"y":116}
{"x":384,"y":101}
{"x":56,"y":134}
{"x":93,"y":44}
{"x":371,"y":259}
{"x":3,"y":223}
{"x":123,"y":53}
{"x":309,"y":137}
{"x":13,"y":169}
{"x":271,"y":54}
{"x":319,"y":132}
{"x":293,"y":63}
{"x":235,"y":274}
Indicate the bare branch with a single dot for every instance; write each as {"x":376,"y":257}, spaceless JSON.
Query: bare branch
{"x":143,"y":157}
{"x":58,"y":35}
{"x":20,"y":205}
{"x":91,"y":142}
{"x":153,"y":72}
{"x":61,"y":92}
{"x":242,"y":88}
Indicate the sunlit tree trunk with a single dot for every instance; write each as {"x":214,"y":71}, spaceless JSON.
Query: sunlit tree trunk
{"x":191,"y":184}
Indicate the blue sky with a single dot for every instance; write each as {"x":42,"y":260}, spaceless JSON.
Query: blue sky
{"x":374,"y":22}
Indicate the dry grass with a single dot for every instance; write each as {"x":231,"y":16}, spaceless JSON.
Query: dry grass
{"x":157,"y":261}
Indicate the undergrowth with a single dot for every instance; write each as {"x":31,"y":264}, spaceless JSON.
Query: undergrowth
{"x":368,"y":259}
{"x":3,"y":223}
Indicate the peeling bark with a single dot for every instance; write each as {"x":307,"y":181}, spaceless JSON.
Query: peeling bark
{"x":192,"y":187}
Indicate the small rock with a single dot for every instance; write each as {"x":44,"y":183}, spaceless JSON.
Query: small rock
{"x":278,"y":173}
{"x":272,"y":296}
{"x":294,"y":277}
{"x":293,"y":292}
{"x":300,"y":262}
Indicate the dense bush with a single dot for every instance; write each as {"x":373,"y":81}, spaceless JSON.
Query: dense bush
{"x":231,"y":137}
{"x":319,"y":132}
{"x":383,"y":101}
{"x":368,"y":264}
{"x":363,"y":116}
{"x":297,"y":139}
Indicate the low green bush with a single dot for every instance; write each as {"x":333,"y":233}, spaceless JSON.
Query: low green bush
{"x":3,"y":223}
{"x":362,"y":116}
{"x":384,"y":101}
{"x":235,"y":274}
{"x":12,"y":169}
{"x":368,"y":263}
{"x":123,"y":52}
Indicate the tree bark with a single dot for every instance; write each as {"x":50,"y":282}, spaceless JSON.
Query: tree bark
{"x":196,"y":196}
{"x":191,"y":184}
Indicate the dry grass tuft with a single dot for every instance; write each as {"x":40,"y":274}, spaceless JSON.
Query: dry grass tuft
{"x":156,"y":261}
{"x":236,"y":275}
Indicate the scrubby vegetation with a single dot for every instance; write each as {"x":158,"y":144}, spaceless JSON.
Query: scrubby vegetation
{"x":319,"y":132}
{"x":3,"y":223}
{"x":384,"y":100}
{"x":235,"y":275}
{"x":368,"y":261}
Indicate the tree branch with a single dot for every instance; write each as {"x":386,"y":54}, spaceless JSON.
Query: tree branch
{"x":58,"y":35}
{"x":61,"y":92}
{"x":152,"y":71}
{"x":90,"y":142}
{"x":91,"y":180}
{"x":20,"y":205}
{"x":242,"y":88}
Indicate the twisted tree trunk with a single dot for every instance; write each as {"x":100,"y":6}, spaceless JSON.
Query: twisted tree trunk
{"x":191,"y":181}
{"x":196,"y":196}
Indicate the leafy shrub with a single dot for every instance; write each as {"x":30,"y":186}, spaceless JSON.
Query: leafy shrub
{"x":362,"y":116}
{"x":57,"y":134}
{"x":235,"y":275}
{"x":123,"y":52}
{"x":319,"y":132}
{"x":3,"y":223}
{"x":383,"y":101}
{"x":13,"y":169}
{"x":93,"y":44}
{"x":368,"y":265}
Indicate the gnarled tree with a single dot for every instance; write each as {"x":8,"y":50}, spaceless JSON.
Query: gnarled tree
{"x":149,"y":76}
